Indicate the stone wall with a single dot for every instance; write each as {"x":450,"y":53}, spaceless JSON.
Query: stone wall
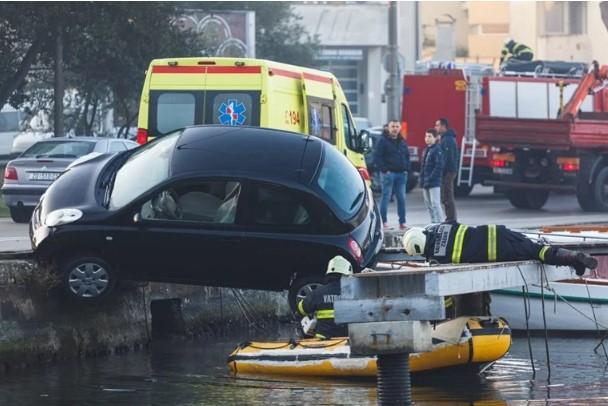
{"x":38,"y":324}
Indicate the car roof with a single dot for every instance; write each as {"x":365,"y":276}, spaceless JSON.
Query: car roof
{"x":79,"y":138}
{"x":252,"y":152}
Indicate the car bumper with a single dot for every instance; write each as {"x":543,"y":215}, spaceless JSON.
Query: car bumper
{"x":26,"y":196}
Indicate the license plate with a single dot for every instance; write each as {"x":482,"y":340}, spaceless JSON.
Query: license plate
{"x":44,"y":175}
{"x":503,"y":171}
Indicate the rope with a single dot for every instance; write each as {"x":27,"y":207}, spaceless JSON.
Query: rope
{"x":524,"y":290}
{"x":597,"y":327}
{"x":543,"y":278}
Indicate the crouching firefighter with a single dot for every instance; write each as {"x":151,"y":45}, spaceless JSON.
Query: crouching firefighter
{"x":318,"y":306}
{"x":451,"y":242}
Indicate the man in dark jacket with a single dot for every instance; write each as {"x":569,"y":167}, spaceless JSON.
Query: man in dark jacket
{"x":451,"y":242}
{"x":450,"y":167}
{"x":392,"y":158}
{"x":319,"y":303}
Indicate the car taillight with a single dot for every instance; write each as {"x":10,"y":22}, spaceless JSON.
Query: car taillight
{"x":142,"y":136}
{"x":364,"y":173}
{"x":498,"y":163}
{"x":10,"y":173}
{"x":354,"y":248}
{"x":569,"y":164}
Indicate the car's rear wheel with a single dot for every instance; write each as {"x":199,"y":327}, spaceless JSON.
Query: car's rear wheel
{"x":20,"y":214}
{"x":86,"y":278}
{"x":302,"y":287}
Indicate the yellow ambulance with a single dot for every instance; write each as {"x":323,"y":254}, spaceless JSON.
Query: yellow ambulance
{"x":179,"y":92}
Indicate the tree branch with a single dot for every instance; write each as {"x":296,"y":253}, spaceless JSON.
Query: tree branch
{"x":12,"y":83}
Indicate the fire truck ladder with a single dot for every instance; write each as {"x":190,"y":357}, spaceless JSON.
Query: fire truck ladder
{"x":468,"y":145}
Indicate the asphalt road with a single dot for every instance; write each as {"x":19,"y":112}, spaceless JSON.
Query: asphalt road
{"x":481,"y":207}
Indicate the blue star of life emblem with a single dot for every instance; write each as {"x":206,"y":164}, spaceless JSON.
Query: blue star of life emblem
{"x":232,"y":113}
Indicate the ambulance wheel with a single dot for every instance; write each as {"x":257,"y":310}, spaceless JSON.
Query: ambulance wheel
{"x":600,"y":190}
{"x":528,"y":199}
{"x":300,"y":288}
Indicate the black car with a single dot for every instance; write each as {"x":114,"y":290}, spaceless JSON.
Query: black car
{"x":209,"y":205}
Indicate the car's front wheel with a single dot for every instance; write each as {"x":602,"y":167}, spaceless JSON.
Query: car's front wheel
{"x":86,"y":278}
{"x":302,"y":287}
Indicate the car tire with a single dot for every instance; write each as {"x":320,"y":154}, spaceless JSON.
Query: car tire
{"x":300,"y":288}
{"x":20,"y":214}
{"x":585,"y":196}
{"x":86,"y":278}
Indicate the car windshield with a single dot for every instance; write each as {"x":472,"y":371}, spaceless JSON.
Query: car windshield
{"x":341,"y":182}
{"x":146,"y":168}
{"x":59,"y":149}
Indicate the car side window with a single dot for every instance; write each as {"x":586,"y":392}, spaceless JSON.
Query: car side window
{"x":210,"y":202}
{"x":321,"y":121}
{"x":279,"y":207}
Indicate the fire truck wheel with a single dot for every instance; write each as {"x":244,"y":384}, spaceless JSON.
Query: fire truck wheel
{"x":584,"y":195}
{"x":462,"y":190}
{"x":528,"y":199}
{"x":600,"y":190}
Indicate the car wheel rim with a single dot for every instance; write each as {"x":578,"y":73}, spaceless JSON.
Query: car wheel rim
{"x":306,"y":290}
{"x":88,"y":280}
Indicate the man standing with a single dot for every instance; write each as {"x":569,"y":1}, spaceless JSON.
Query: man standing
{"x":392,"y":158}
{"x":450,"y":167}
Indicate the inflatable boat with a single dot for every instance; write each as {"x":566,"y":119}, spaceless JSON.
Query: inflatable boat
{"x":458,"y":342}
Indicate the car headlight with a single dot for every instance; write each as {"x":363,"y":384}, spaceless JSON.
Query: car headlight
{"x":62,"y":216}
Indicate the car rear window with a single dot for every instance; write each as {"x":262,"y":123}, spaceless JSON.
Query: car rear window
{"x":146,"y":168}
{"x":341,"y":183}
{"x":232,"y":108}
{"x":174,"y":111}
{"x":59,"y":149}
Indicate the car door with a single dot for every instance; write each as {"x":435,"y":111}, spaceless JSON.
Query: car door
{"x":188,"y":232}
{"x":280,"y":235}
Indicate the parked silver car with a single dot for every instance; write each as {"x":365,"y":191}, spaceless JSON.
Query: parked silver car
{"x":29,"y":175}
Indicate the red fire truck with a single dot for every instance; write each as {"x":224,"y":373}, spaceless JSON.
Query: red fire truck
{"x":455,"y":93}
{"x":545,"y":145}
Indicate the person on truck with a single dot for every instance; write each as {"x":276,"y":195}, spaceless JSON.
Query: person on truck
{"x":517,"y":51}
{"x":451,"y":242}
{"x":320,"y":303}
{"x":449,"y":150}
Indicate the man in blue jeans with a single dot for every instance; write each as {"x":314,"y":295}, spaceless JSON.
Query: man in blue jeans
{"x":392,"y":158}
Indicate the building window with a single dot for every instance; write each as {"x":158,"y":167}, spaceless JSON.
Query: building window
{"x":563,"y":18}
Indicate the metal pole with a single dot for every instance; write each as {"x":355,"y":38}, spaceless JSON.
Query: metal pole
{"x":59,"y":82}
{"x":394,"y":88}
{"x":393,"y":379}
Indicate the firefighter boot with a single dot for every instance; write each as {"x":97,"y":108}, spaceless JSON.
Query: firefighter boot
{"x":578,"y":260}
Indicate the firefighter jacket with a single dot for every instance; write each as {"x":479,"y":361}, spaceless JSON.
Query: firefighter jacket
{"x":519,"y":51}
{"x":451,"y":242}
{"x":320,"y":304}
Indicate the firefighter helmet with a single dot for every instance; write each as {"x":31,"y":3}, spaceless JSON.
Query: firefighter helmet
{"x":339,"y":264}
{"x":414,"y":241}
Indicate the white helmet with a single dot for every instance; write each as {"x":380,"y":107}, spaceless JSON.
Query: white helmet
{"x":339,"y":264}
{"x":414,"y":241}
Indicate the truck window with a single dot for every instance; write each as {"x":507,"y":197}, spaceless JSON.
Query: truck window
{"x":232,"y":108}
{"x":350,"y":132}
{"x":174,"y":110}
{"x":321,"y":121}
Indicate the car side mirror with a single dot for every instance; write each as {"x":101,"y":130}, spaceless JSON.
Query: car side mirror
{"x":364,"y":142}
{"x":137,"y":218}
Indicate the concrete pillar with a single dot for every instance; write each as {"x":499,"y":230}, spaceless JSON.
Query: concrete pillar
{"x":376,"y":110}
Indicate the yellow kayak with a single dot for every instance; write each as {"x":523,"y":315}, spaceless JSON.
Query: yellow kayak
{"x":457,"y":342}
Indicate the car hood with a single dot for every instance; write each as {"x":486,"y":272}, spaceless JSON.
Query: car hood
{"x":76,"y":188}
